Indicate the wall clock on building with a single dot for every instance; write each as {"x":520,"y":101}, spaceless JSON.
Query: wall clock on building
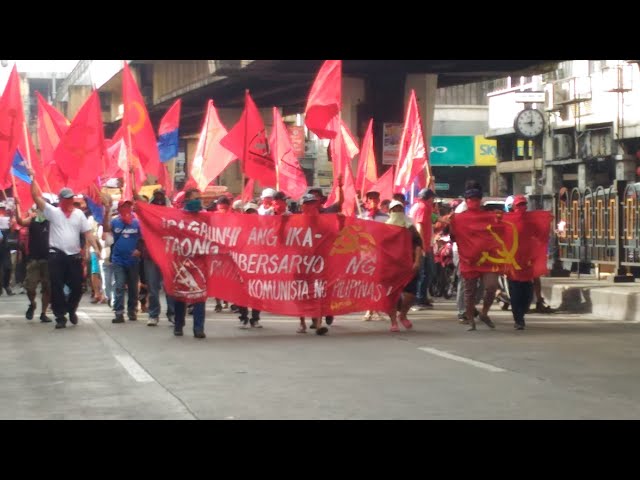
{"x":529,"y":123}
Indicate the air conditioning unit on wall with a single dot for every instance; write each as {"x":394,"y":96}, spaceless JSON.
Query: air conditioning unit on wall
{"x":562,"y":146}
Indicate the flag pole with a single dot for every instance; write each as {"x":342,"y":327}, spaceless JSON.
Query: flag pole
{"x":245,"y":146}
{"x":276,"y":160}
{"x":25,"y":132}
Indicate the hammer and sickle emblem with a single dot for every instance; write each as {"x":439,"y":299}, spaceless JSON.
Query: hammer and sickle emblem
{"x":137,"y":126}
{"x":352,"y":239}
{"x":505,"y":256}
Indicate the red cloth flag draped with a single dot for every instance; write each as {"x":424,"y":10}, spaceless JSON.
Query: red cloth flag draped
{"x":220,"y":256}
{"x":248,"y":141}
{"x":514,"y":244}
{"x":211,"y":157}
{"x":11,"y":125}
{"x":367,"y":173}
{"x":325,"y":100}
{"x":247,"y":192}
{"x":165,"y":180}
{"x":342,"y":149}
{"x":136,"y":119}
{"x":80,"y":151}
{"x":384,"y":185}
{"x":291,"y":178}
{"x":412,"y":154}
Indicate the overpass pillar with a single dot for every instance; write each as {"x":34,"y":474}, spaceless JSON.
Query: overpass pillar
{"x":425,"y":86}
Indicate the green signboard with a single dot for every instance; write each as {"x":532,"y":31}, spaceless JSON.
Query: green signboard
{"x":450,"y":151}
{"x":442,"y":186}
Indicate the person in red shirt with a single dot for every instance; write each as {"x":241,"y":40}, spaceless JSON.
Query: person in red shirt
{"x":422,"y":213}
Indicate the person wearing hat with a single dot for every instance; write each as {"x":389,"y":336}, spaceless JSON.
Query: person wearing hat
{"x":280,"y":204}
{"x":266,"y":207}
{"x":399,"y":219}
{"x":236,"y":206}
{"x":67,"y":224}
{"x":37,"y":257}
{"x":250,"y":208}
{"x":372,"y":208}
{"x":473,"y":200}
{"x":421,"y":214}
{"x":125,"y":259}
{"x":223,"y":206}
{"x":318,"y":193}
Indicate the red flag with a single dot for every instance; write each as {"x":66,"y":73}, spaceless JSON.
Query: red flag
{"x":247,"y":192}
{"x":211,"y":157}
{"x":248,"y":141}
{"x":291,"y":179}
{"x":11,"y":124}
{"x":165,"y":180}
{"x":412,"y":154}
{"x":514,"y":244}
{"x":136,"y":118}
{"x":80,"y":151}
{"x":52,"y":125}
{"x":367,"y":173}
{"x":171,"y":119}
{"x":325,"y":100}
{"x":341,"y":158}
{"x":384,"y":185}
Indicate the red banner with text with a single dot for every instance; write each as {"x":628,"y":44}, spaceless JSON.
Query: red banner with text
{"x":288,"y":265}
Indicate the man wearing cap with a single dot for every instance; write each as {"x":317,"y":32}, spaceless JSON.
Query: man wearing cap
{"x":236,"y":206}
{"x":37,"y":253}
{"x":223,"y":206}
{"x":266,"y":207}
{"x":422,"y":213}
{"x":66,"y":224}
{"x":125,"y":258}
{"x":280,"y":204}
{"x":473,"y":201}
{"x":372,"y":208}
{"x":336,"y":207}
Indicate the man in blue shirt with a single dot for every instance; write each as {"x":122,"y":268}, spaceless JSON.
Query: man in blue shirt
{"x":125,"y":257}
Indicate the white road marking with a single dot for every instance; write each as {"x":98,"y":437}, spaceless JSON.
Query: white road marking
{"x":135,"y":370}
{"x":457,"y":358}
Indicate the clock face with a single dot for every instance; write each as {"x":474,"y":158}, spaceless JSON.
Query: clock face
{"x":529,"y":123}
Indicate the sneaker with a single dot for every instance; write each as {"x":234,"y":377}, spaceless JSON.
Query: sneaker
{"x":419,"y":308}
{"x":153,"y":322}
{"x":486,"y":320}
{"x":132,"y":317}
{"x":199,"y":335}
{"x":234,"y":308}
{"x":178,"y":333}
{"x":61,"y":322}
{"x":30,"y":310}
{"x":256,"y":324}
{"x":322,"y":331}
{"x":217,"y":308}
{"x":119,"y":318}
{"x":44,"y":318}
{"x":328,"y":320}
{"x":394,"y":328}
{"x":542,"y":307}
{"x":244,"y":325}
{"x":73,"y":318}
{"x":406,"y":323}
{"x":9,"y":292}
{"x":518,"y":326}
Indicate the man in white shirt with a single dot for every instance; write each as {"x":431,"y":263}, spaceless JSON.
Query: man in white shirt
{"x":66,"y":223}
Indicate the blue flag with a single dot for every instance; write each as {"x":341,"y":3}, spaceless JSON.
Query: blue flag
{"x":96,"y":210}
{"x":19,"y":168}
{"x":168,"y":145}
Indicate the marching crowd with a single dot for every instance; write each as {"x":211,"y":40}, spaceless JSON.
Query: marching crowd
{"x":60,"y":246}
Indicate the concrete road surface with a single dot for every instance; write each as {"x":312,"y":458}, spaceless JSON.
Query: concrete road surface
{"x":561,"y":367}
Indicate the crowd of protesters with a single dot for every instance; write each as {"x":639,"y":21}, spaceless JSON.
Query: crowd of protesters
{"x":58,"y":245}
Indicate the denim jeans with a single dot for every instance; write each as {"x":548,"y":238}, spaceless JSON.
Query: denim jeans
{"x":427,"y":272}
{"x":154,"y":281}
{"x":126,"y":276}
{"x":198,"y":316}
